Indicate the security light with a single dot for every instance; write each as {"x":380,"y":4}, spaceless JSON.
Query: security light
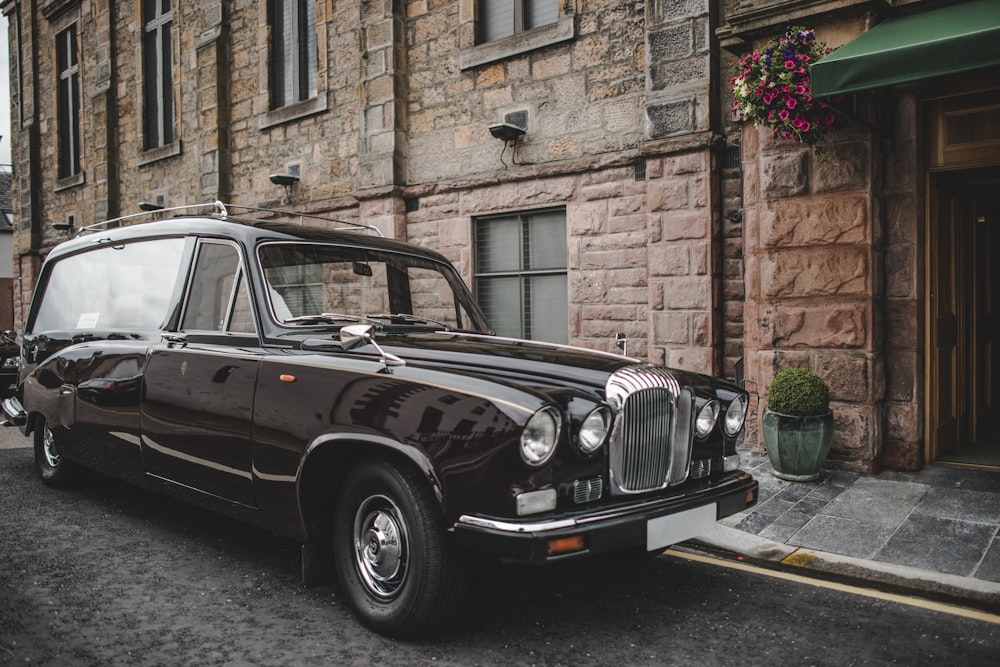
{"x":284,"y":179}
{"x":506,"y":132}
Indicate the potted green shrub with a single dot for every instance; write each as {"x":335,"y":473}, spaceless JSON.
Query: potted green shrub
{"x":798,"y":424}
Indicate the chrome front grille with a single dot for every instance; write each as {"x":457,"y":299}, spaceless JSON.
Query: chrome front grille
{"x":653,"y":435}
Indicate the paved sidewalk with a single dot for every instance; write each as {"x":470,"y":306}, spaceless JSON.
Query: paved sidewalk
{"x":936,"y":531}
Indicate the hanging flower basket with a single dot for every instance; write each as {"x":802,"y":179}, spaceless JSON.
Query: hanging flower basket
{"x":772,"y":88}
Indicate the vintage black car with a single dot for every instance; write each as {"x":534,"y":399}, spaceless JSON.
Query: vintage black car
{"x":345,"y":390}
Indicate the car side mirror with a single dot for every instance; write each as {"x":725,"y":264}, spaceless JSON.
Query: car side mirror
{"x":356,"y":335}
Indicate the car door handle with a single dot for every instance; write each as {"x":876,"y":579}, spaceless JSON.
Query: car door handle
{"x":174,"y":340}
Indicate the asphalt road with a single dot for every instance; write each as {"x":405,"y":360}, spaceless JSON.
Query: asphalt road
{"x":106,"y":574}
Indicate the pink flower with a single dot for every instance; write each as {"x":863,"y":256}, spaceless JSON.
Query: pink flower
{"x":789,"y":64}
{"x":783,"y":114}
{"x":790,"y":103}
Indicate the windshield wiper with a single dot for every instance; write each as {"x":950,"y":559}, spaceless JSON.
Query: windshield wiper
{"x":406,"y":318}
{"x":328,"y":318}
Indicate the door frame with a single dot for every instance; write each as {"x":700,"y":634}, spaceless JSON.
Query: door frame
{"x":963,"y":147}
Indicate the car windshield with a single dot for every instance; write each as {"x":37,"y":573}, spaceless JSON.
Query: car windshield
{"x":325,"y":284}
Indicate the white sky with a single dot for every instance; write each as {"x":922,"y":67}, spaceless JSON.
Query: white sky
{"x":4,"y":94}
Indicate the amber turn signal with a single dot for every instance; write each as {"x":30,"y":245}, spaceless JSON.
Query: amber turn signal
{"x":286,"y":378}
{"x":565,"y":545}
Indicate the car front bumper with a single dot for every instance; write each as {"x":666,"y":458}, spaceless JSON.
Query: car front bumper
{"x":650,"y":523}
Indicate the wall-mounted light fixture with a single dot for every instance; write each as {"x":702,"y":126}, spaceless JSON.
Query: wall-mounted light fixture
{"x":285,"y":180}
{"x":150,"y":206}
{"x":66,"y":226}
{"x":506,"y":132}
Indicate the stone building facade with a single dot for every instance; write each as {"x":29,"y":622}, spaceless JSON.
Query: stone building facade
{"x":702,"y":242}
{"x":872,"y":265}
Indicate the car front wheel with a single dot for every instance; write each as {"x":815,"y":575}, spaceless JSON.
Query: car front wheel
{"x":395,"y":562}
{"x":52,"y":467}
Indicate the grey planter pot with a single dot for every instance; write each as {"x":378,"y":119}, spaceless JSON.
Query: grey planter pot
{"x":797,"y":446}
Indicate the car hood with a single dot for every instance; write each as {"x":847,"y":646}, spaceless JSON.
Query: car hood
{"x":518,"y":362}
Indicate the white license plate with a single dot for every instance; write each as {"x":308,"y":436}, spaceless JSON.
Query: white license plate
{"x":663,"y":531}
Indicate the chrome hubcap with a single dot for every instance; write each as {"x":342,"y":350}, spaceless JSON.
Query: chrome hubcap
{"x":49,"y":448}
{"x":380,"y":546}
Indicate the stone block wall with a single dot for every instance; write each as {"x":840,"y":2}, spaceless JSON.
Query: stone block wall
{"x":812,"y":244}
{"x":640,"y":254}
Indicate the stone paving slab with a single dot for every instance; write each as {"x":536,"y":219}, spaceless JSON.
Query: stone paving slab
{"x":943,"y":545}
{"x":942,"y":519}
{"x":962,"y":504}
{"x":840,"y":535}
{"x":989,"y":569}
{"x":878,"y":501}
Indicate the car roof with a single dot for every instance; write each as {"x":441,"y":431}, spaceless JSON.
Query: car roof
{"x":248,"y":231}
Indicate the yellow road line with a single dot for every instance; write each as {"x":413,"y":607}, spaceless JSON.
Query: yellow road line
{"x":847,"y":588}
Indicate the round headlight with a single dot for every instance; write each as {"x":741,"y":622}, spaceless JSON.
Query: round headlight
{"x":539,"y":437}
{"x":594,"y":430}
{"x":706,"y":419}
{"x":736,"y":413}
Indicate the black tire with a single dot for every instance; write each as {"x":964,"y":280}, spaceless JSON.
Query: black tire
{"x":395,"y":563}
{"x":52,"y":467}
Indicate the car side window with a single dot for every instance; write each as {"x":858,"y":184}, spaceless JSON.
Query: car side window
{"x":126,"y":286}
{"x":218,"y":299}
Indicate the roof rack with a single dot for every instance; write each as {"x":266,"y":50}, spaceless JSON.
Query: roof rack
{"x":221,"y":211}
{"x":351,"y":226}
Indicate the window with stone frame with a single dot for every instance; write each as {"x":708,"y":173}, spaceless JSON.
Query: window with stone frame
{"x":520,"y":274}
{"x":293,"y":51}
{"x":68,"y":102}
{"x":157,"y":73}
{"x":504,"y":18}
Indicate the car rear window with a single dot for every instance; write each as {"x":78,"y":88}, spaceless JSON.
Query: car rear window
{"x":126,"y":286}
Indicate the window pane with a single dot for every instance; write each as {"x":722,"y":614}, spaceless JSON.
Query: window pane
{"x":293,"y":52}
{"x":313,"y":279}
{"x":307,"y":50}
{"x":241,"y":320}
{"x":167,"y":86}
{"x":128,"y":287}
{"x":67,"y":113}
{"x":521,"y":275}
{"x":500,"y":299}
{"x":546,"y":241}
{"x":549,"y":315}
{"x":540,"y":12}
{"x":496,"y":19}
{"x":498,"y":245}
{"x":211,"y":287}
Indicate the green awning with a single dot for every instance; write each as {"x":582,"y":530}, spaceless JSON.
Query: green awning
{"x":948,"y":40}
